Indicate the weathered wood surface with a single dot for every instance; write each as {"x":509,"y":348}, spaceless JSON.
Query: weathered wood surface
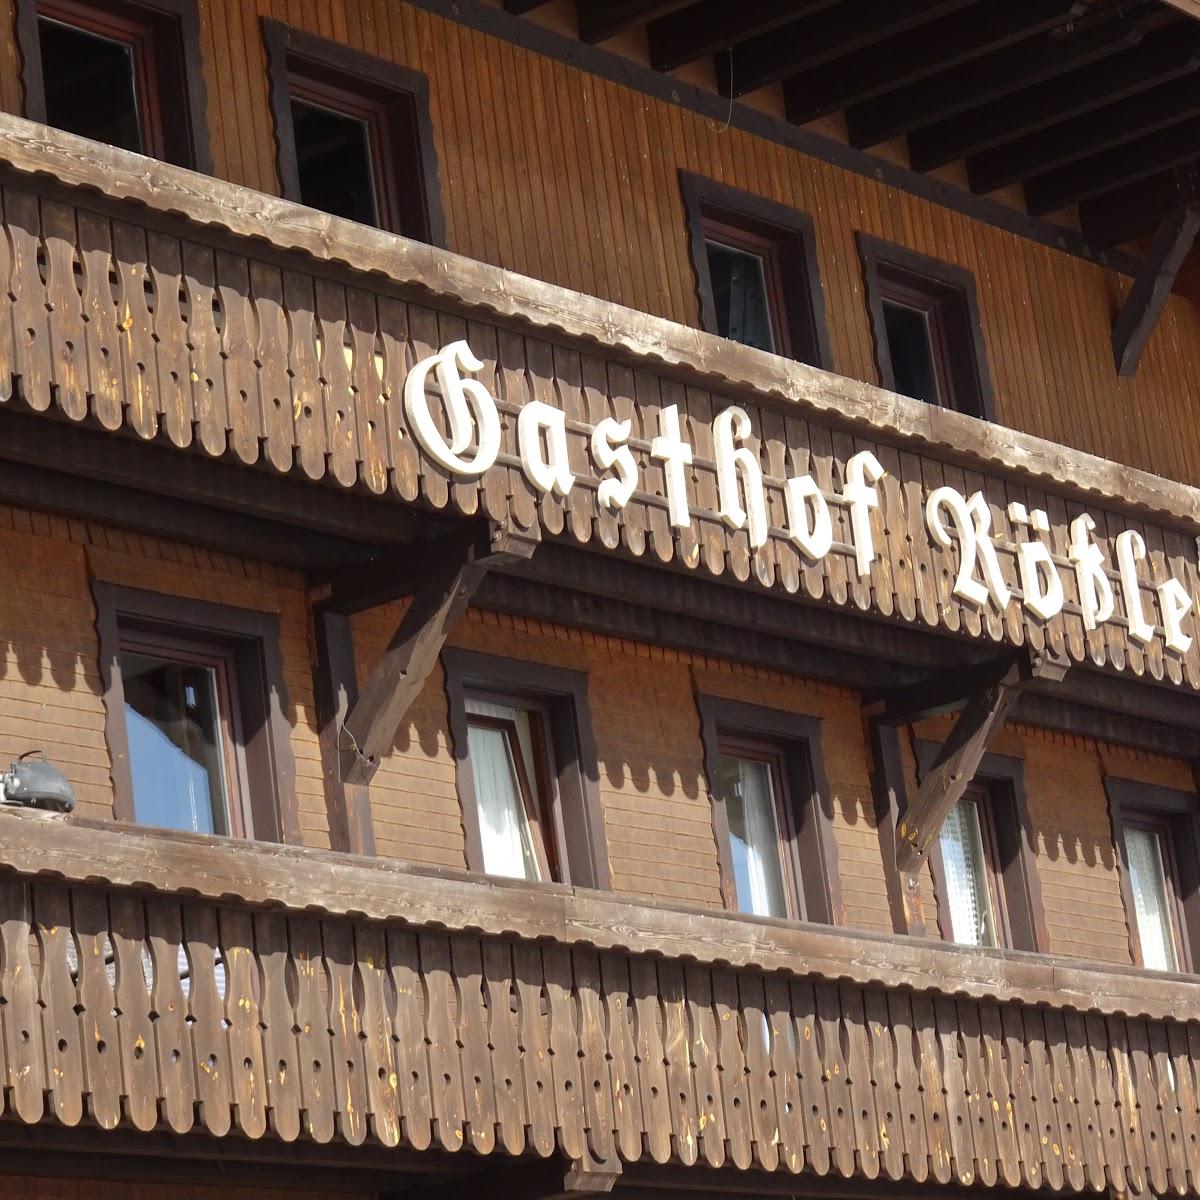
{"x":216,"y":350}
{"x":345,"y":1029}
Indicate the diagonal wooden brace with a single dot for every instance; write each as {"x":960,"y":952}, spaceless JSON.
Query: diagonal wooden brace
{"x":960,"y":755}
{"x":450,"y":570}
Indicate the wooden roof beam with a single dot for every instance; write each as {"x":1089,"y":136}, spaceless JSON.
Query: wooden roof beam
{"x":708,"y":26}
{"x":1113,"y":125}
{"x":602,"y":19}
{"x":1158,"y":59}
{"x":1151,"y":288}
{"x":1127,"y":212}
{"x":521,"y":7}
{"x":963,"y":36}
{"x":963,"y":88}
{"x":804,"y":45}
{"x":1121,"y":165}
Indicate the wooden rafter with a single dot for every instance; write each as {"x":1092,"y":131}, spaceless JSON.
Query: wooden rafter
{"x":1128,"y":212}
{"x":1148,"y":296}
{"x":450,"y":571}
{"x":601,"y":19}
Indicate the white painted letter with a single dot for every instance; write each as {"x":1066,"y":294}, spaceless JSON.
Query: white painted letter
{"x":1095,"y":591}
{"x":739,"y":462}
{"x":544,"y":458}
{"x":1176,"y":603}
{"x":610,"y":451}
{"x":862,"y":497}
{"x":469,"y":408}
{"x":1131,"y":548}
{"x":1040,"y":581}
{"x":809,"y":522}
{"x":674,"y":453}
{"x":973,"y":523}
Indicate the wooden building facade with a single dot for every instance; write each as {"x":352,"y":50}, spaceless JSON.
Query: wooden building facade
{"x":616,"y":588}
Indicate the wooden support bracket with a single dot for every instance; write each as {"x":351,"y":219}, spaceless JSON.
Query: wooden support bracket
{"x":445,"y":573}
{"x":1151,"y":289}
{"x":960,"y":755}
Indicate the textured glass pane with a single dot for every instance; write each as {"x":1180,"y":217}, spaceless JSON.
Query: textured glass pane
{"x":1148,"y":882}
{"x":740,"y":296}
{"x":754,"y":838}
{"x":972,"y":921}
{"x":176,"y":756}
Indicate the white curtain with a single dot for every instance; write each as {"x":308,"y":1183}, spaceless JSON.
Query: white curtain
{"x":966,"y":883}
{"x":754,"y":836}
{"x":1147,"y":880}
{"x":503,"y":827}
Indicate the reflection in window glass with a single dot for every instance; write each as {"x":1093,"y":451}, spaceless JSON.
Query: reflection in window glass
{"x":500,"y":746}
{"x":1148,"y":883}
{"x":333,"y":156}
{"x":910,"y":348}
{"x":972,"y":920}
{"x":739,"y":288}
{"x":90,"y":85}
{"x":748,"y":786}
{"x":176,"y":744}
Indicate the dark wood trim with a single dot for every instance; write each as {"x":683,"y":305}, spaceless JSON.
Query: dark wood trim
{"x":805,"y":330}
{"x":182,"y":95}
{"x":414,"y":211}
{"x":1179,"y":814}
{"x":1016,"y":845}
{"x":262,"y":695}
{"x":565,"y":695}
{"x":814,"y":848}
{"x":952,"y":289}
{"x":530,"y":35}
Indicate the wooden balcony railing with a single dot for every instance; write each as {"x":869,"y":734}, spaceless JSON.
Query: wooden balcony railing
{"x":349,"y":999}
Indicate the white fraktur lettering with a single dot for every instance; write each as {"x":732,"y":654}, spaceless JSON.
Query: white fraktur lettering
{"x":675,"y":454}
{"x":542,"y":442}
{"x":1095,"y":591}
{"x":862,"y":470}
{"x":1176,"y":603}
{"x":972,"y":522}
{"x":739,"y":474}
{"x":809,"y":523}
{"x":471,"y":413}
{"x":1131,"y":549}
{"x":611,"y":452}
{"x":1041,"y":584}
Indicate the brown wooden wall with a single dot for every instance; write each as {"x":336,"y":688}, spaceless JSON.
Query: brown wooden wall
{"x":656,"y":807}
{"x":570,"y":178}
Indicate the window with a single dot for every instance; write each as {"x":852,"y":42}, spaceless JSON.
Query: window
{"x":774,"y":840}
{"x":756,"y":271}
{"x":194,"y":705}
{"x":1154,"y":834}
{"x":983,"y":864}
{"x":124,"y":72}
{"x":925,"y":323}
{"x":353,"y":134}
{"x":526,"y":769}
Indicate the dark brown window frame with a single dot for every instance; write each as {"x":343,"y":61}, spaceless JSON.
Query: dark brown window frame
{"x":399,"y":94}
{"x":958,"y":346}
{"x":1022,"y":919}
{"x":794,"y":276}
{"x":811,"y":852}
{"x":179,"y":94}
{"x":1175,"y":810}
{"x":562,"y":695}
{"x":252,"y":638}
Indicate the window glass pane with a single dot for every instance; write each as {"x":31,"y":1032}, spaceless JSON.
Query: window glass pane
{"x":494,"y":752}
{"x":739,"y":288}
{"x":89,"y":85}
{"x":749,"y":790}
{"x":910,"y":349}
{"x":333,"y":155}
{"x":1148,"y":882}
{"x":176,"y":750}
{"x":972,"y":921}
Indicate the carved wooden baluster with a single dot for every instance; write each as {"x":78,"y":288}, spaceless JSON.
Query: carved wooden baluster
{"x":206,"y":1012}
{"x":445,"y":1067}
{"x":535,"y":1047}
{"x":710,"y":1111}
{"x":61,"y":1031}
{"x":597,"y":1079}
{"x":933,"y":1089}
{"x":884,"y":1073}
{"x":318,"y":1085}
{"x":764,"y":1116}
{"x":139,"y":363}
{"x":378,"y":1055}
{"x":103,"y":338}
{"x":862,"y":1092}
{"x":370,"y":404}
{"x":139,"y":1054}
{"x":408,"y":1021}
{"x":622,"y":1050}
{"x":345,"y":1031}
{"x":239,"y":341}
{"x":170,"y":338}
{"x":341,"y":436}
{"x":958,"y":1113}
{"x":8,"y":285}
{"x":243,"y":1015}
{"x":176,"y":1066}
{"x":403,"y":452}
{"x":68,"y":350}
{"x":210,"y":404}
{"x":478,"y":1086}
{"x":1065,"y":1099}
{"x":836,"y":1073}
{"x":677,"y":1042}
{"x":274,"y":386}
{"x":28,"y":296}
{"x":913,"y":1143}
{"x":280,"y":1053}
{"x":1008,"y":1155}
{"x":102,"y":1056}
{"x":978,"y":1106}
{"x":739,"y":1132}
